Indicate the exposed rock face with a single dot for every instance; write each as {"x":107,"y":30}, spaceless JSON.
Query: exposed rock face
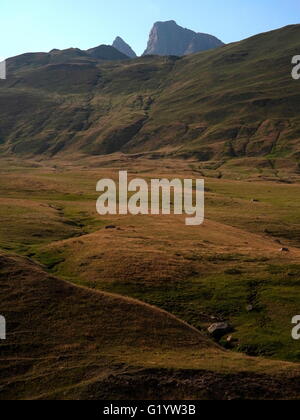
{"x":123,"y":47}
{"x":168,"y":38}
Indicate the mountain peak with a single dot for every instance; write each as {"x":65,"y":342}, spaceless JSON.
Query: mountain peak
{"x":168,"y":38}
{"x":120,"y":45}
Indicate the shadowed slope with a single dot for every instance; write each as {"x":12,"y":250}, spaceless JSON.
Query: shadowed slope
{"x":59,"y":330}
{"x":69,"y":342}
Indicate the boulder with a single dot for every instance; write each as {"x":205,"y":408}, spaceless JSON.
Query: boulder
{"x":219,"y":329}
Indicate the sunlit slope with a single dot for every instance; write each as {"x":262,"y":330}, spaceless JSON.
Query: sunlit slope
{"x":201,"y":274}
{"x":207,"y":274}
{"x":234,"y":101}
{"x":237,"y":100}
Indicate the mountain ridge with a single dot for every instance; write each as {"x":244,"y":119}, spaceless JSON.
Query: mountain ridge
{"x":101,"y":52}
{"x":236,"y":101}
{"x":106,"y":52}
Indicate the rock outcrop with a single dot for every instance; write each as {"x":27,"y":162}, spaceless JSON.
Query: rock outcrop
{"x":120,"y":45}
{"x":168,"y":38}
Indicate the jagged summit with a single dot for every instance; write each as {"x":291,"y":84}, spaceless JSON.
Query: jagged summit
{"x":120,"y":45}
{"x":168,"y":38}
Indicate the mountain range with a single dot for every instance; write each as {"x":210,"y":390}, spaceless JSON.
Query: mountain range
{"x":168,"y":38}
{"x":235,"y":101}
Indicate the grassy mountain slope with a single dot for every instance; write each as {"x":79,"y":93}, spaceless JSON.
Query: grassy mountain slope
{"x":235,"y":101}
{"x":201,"y":274}
{"x":238,"y":100}
{"x":67,"y":342}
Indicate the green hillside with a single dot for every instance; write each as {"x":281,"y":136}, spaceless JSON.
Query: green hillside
{"x":235,"y":101}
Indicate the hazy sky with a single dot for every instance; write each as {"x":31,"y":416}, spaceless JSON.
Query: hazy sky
{"x":40,"y":25}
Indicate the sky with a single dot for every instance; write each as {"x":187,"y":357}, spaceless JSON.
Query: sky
{"x":41,"y":25}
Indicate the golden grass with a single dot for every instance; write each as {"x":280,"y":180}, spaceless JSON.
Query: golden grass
{"x":75,"y":335}
{"x":66,"y":338}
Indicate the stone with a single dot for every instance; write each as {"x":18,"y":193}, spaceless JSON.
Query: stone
{"x":219,"y":329}
{"x":284,"y":250}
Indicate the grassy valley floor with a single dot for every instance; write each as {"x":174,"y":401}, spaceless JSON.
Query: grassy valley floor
{"x":110,"y":309}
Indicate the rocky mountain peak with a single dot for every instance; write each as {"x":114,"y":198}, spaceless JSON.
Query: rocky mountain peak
{"x":123,"y":47}
{"x":168,"y":38}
